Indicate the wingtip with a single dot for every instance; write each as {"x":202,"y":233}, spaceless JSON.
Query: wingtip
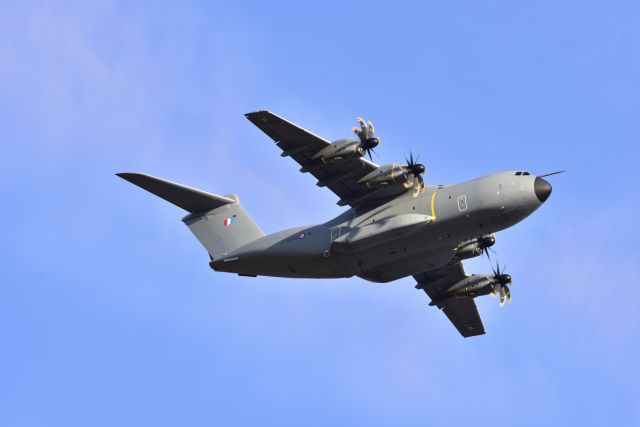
{"x":253,"y":113}
{"x":125,"y":175}
{"x":130,"y":176}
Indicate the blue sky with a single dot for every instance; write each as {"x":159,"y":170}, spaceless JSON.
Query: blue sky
{"x":109,"y":313}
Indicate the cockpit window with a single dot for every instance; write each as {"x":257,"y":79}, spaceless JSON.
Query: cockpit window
{"x":526,"y":173}
{"x":518,"y":173}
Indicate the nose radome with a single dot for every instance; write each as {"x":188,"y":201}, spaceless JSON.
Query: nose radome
{"x":542,"y":189}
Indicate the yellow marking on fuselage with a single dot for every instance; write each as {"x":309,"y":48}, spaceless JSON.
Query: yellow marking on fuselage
{"x":433,"y":206}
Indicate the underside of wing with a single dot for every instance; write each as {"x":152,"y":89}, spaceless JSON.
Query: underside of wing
{"x":340,"y":177}
{"x":463,"y":313}
{"x":461,"y":310}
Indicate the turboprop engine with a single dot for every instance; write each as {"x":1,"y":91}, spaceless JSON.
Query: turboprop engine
{"x":481,"y":284}
{"x":474,"y":285}
{"x":348,"y":148}
{"x":408,"y":175}
{"x":475,"y":247}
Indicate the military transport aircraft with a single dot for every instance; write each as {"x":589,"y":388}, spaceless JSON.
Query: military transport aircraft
{"x":396,"y":226}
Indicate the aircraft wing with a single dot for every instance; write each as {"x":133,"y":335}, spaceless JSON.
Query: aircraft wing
{"x":339,"y":177}
{"x":461,"y":311}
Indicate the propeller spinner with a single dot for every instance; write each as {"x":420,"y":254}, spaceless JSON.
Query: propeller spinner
{"x":487,"y":242}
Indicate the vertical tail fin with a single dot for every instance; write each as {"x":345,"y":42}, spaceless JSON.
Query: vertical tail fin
{"x":223,"y":229}
{"x":220,"y":223}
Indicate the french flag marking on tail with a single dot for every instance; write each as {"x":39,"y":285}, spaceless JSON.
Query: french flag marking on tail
{"x":228,"y":221}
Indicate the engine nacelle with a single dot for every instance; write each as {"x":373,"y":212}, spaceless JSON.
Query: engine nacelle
{"x":474,"y":247}
{"x":386,"y":175}
{"x":473,"y":286}
{"x":342,"y":149}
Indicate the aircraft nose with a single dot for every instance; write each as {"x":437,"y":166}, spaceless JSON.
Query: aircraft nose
{"x":542,"y":189}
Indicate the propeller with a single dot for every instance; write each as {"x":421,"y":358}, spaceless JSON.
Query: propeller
{"x":500,"y":285}
{"x":367,"y":141}
{"x":415,"y":169}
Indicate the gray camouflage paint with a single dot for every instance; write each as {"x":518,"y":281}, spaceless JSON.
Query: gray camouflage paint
{"x":452,"y":214}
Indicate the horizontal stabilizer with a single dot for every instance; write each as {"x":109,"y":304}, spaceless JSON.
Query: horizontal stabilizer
{"x":187,"y":198}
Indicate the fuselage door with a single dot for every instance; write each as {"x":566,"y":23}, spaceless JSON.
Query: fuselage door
{"x":335,"y":233}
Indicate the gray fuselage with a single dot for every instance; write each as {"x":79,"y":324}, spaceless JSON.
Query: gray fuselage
{"x":398,"y":242}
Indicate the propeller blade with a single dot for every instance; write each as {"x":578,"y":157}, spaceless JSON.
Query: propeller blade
{"x":417,"y":183}
{"x":485,"y":251}
{"x":495,"y":288}
{"x":502,"y":296}
{"x":364,"y":129}
{"x":508,"y":292}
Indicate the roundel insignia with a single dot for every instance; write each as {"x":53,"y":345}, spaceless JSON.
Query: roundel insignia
{"x":301,"y":235}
